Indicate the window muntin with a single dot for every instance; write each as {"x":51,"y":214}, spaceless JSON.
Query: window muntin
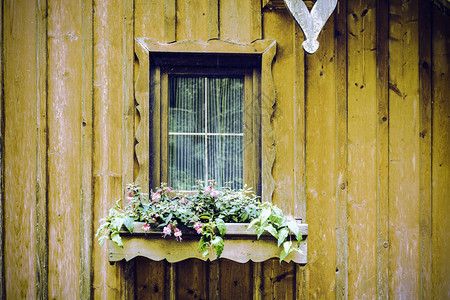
{"x":205,"y":130}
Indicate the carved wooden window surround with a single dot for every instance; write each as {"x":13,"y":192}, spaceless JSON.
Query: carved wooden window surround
{"x":254,"y":61}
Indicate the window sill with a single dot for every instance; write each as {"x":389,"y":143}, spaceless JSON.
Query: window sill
{"x":241,"y":246}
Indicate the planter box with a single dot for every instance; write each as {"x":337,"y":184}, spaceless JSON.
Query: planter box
{"x":241,"y":246}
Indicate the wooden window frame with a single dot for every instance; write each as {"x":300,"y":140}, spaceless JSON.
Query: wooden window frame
{"x":156,"y":60}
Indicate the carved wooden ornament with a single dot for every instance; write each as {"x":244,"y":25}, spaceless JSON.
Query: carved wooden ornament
{"x":311,"y":22}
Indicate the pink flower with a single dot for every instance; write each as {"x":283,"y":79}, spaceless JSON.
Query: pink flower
{"x":177,"y":233}
{"x":214,"y":193}
{"x":183,"y":200}
{"x":169,"y":189}
{"x":156,"y":197}
{"x":198,"y":227}
{"x":166,"y":231}
{"x":146,"y":227}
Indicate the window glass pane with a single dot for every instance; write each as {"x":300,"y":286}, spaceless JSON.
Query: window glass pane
{"x":186,"y":161}
{"x":225,"y":105}
{"x":225,"y":160}
{"x":186,"y":104}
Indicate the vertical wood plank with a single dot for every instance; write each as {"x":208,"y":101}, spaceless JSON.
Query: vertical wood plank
{"x":320,"y":165}
{"x":41,"y":152}
{"x":341,"y":152}
{"x":128,"y":268}
{"x":2,"y":162}
{"x":108,"y":130}
{"x":213,"y":19}
{"x":284,"y":75}
{"x":362,"y":149}
{"x":404,"y":160}
{"x":192,"y":20}
{"x":192,"y":279}
{"x":299,"y":125}
{"x":382,"y":93}
{"x":214,"y":280}
{"x":257,"y":275}
{"x":425,"y":109}
{"x":20,"y":140}
{"x":150,"y":279}
{"x":245,"y":15}
{"x":64,"y":146}
{"x":170,"y":21}
{"x":235,"y":280}
{"x":149,"y":15}
{"x":440,"y":154}
{"x":86,"y":213}
{"x":279,"y":280}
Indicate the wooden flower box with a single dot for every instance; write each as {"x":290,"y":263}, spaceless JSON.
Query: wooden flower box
{"x":241,"y":245}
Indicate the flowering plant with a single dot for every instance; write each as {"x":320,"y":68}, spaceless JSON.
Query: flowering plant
{"x":204,"y":212}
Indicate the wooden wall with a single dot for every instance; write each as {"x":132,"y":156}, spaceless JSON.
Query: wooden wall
{"x":362,"y":132}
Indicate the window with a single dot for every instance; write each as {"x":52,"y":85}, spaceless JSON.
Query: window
{"x":205,"y":111}
{"x":206,"y":130}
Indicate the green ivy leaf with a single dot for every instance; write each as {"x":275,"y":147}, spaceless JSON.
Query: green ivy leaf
{"x":115,"y":237}
{"x":218,"y":245}
{"x":269,"y":228}
{"x":265,"y":213}
{"x":221,"y":226}
{"x":293,"y":226}
{"x":128,"y":222}
{"x":282,"y":235}
{"x":118,"y":222}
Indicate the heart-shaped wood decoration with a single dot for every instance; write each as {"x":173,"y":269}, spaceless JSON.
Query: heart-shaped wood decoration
{"x":311,"y":22}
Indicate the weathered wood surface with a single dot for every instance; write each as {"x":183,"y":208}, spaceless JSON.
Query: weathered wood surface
{"x":440,"y":277}
{"x":68,"y":71}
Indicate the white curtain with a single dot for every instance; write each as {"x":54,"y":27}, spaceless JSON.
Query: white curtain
{"x":205,"y":131}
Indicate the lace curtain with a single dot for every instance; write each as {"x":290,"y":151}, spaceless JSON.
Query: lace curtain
{"x":206,"y":139}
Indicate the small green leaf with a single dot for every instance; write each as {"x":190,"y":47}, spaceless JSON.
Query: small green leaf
{"x":128,"y":222}
{"x":115,"y":237}
{"x":217,"y":243}
{"x":282,"y":235}
{"x":221,"y":226}
{"x":293,"y":226}
{"x":118,"y":222}
{"x":269,"y":228}
{"x":265,"y":213}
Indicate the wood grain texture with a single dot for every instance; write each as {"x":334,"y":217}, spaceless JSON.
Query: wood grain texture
{"x":283,"y":75}
{"x":245,"y":15}
{"x":343,"y":103}
{"x":299,"y":126}
{"x":362,"y":149}
{"x":64,"y":146}
{"x":382,"y":94}
{"x":107,"y":156}
{"x":41,"y":152}
{"x":128,"y":135}
{"x":193,"y":19}
{"x":2,"y":164}
{"x":440,"y":154}
{"x":20,"y":71}
{"x":170,"y":21}
{"x":279,"y":280}
{"x":148,"y":19}
{"x":404,"y":147}
{"x":87,"y":197}
{"x":425,"y":128}
{"x":321,"y":177}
